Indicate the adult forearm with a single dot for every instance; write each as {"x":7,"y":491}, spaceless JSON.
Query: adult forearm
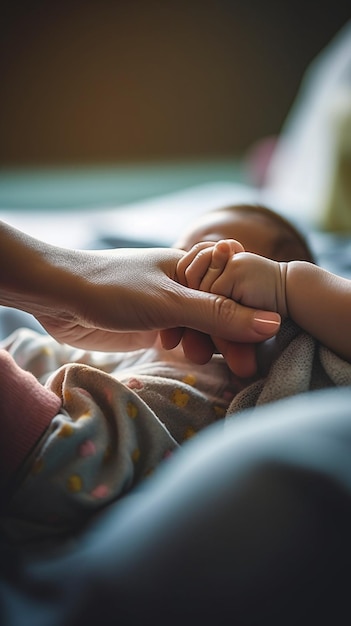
{"x":33,"y":275}
{"x":320,"y":302}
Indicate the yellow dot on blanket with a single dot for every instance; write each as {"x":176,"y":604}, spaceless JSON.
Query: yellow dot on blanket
{"x":67,"y":396}
{"x":136,"y":455}
{"x":190,"y":432}
{"x":149,"y":472}
{"x":219,"y":411}
{"x":74,"y":483}
{"x":85,"y":415}
{"x":180,"y":398}
{"x":107,"y":453}
{"x":189,"y":379}
{"x":46,"y":351}
{"x":37,"y":466}
{"x":132,"y":410}
{"x":65,"y":431}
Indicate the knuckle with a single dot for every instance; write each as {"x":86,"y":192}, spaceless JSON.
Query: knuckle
{"x":196,"y":248}
{"x":187,"y":274}
{"x":228,"y":311}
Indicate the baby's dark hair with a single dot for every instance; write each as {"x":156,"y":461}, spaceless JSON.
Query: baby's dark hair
{"x":264,"y":211}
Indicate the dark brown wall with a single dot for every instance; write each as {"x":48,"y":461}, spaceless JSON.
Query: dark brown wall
{"x":133,"y":80}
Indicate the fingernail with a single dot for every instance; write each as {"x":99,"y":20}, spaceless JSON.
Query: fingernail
{"x":266,"y":323}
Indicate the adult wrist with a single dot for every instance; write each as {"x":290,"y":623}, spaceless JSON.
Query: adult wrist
{"x":34,"y":275}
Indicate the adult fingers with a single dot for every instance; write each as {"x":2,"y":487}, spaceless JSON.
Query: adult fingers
{"x":198,"y":347}
{"x":170,"y":337}
{"x":240,"y":357}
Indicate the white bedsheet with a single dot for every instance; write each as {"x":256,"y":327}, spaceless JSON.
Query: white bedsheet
{"x":156,"y":221}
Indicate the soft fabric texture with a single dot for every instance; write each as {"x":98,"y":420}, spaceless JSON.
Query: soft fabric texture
{"x":27,"y":409}
{"x":105,"y":441}
{"x":118,"y":425}
{"x":300,"y":364}
{"x":251,"y":522}
{"x":122,"y":415}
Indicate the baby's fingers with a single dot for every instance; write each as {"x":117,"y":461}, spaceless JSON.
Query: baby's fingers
{"x":186,"y":260}
{"x":198,"y":268}
{"x":221,"y":253}
{"x":205,"y":262}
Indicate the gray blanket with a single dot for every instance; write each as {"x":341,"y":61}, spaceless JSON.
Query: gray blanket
{"x":300,"y":364}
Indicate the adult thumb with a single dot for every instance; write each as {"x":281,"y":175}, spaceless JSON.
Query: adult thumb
{"x":224,"y":318}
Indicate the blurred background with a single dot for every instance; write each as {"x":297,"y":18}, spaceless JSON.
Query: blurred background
{"x":127,"y":81}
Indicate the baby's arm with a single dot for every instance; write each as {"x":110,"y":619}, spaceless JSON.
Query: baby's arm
{"x":318,"y":301}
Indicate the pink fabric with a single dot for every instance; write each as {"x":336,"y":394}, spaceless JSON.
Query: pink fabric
{"x":258,"y":158}
{"x":26,"y":410}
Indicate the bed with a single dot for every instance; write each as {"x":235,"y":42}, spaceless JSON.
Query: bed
{"x":249,"y":524}
{"x":251,"y":527}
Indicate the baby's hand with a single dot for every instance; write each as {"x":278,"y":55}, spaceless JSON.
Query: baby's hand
{"x":205,"y":261}
{"x":224,"y":268}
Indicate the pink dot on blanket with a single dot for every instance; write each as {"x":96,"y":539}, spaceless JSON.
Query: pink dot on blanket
{"x":134,"y":383}
{"x":101,"y":491}
{"x":84,"y":392}
{"x":87,"y":448}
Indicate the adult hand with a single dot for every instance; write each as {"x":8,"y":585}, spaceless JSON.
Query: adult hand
{"x":124,"y":291}
{"x":117,"y":299}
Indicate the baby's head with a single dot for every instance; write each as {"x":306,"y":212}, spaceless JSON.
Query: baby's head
{"x":259,"y":230}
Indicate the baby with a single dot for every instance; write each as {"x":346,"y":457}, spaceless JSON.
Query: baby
{"x":316,"y":300}
{"x":258,"y":229}
{"x":117,"y":415}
